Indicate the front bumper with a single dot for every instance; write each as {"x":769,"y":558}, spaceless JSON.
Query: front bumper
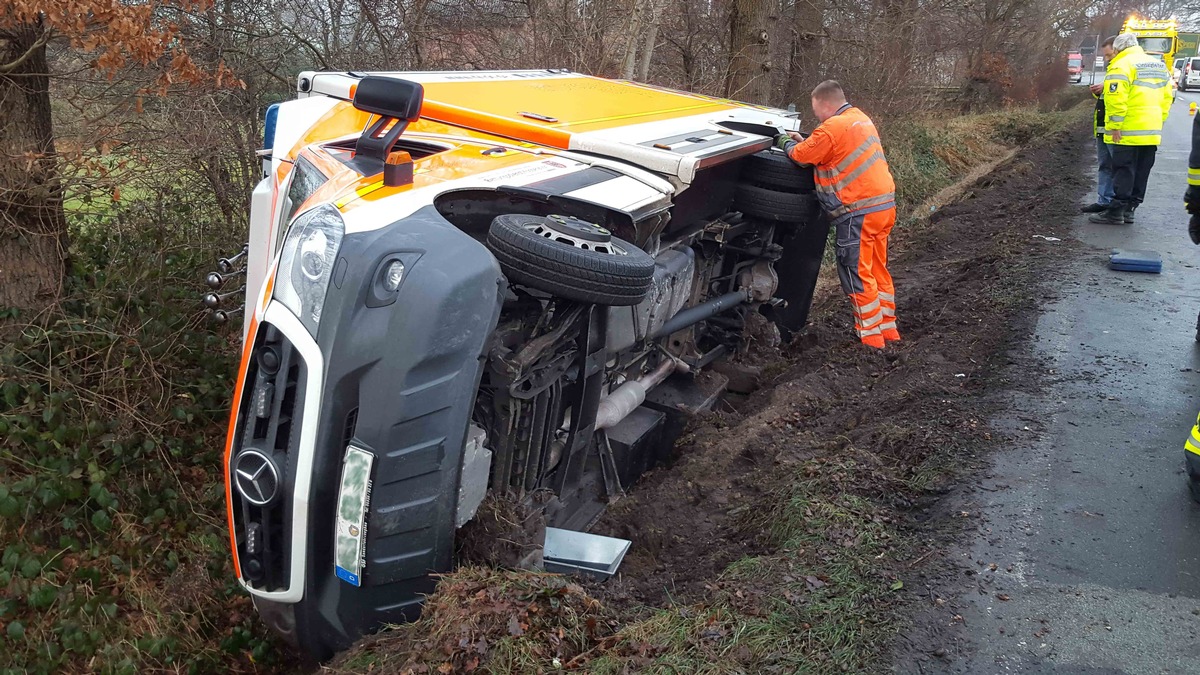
{"x":397,"y":378}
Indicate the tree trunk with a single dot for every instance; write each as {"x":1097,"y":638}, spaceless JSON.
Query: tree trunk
{"x":650,"y":40}
{"x":804,"y":71}
{"x":632,"y":30}
{"x":749,"y":76}
{"x":33,"y":228}
{"x":898,"y":27}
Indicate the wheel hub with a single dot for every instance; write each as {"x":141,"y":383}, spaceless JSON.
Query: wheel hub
{"x":576,"y":233}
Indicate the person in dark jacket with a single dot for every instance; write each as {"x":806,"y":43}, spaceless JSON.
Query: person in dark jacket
{"x":1191,"y":202}
{"x":1191,"y":198}
{"x":1104,"y":170}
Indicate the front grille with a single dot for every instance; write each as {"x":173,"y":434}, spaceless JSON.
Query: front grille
{"x":262,"y":463}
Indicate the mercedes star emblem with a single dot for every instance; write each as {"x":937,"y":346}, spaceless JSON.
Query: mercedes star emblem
{"x":256,"y":477}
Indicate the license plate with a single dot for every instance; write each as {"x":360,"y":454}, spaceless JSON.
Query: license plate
{"x":354,"y":498}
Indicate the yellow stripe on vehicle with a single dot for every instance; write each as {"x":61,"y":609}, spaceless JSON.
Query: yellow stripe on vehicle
{"x":360,"y":192}
{"x":647,"y":113}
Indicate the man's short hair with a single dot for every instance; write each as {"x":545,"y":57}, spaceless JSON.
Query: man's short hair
{"x":1108,"y":41}
{"x":830,"y":91}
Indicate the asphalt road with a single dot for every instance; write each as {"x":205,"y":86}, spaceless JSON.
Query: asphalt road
{"x":1095,"y":541}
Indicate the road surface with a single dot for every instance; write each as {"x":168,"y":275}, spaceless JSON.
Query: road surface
{"x":1095,"y":542}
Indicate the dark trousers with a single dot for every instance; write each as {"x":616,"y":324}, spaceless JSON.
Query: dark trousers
{"x":1131,"y":166}
{"x":1104,"y":182}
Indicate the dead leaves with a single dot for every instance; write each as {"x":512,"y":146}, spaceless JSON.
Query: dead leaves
{"x":116,"y":35}
{"x":545,"y":616}
{"x":515,"y":627}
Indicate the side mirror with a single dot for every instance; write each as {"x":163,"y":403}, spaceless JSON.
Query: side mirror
{"x":389,"y":97}
{"x":398,"y":103}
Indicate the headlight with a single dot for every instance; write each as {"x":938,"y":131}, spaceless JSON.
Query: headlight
{"x":306,"y":263}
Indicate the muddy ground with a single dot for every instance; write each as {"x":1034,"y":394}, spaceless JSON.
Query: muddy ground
{"x":967,"y":285}
{"x":881,"y":436}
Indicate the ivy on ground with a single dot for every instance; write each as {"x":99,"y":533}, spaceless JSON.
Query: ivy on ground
{"x":113,"y":551}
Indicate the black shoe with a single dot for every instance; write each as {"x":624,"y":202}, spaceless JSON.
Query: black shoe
{"x":1113,"y":215}
{"x":1128,"y":215}
{"x":1096,"y":207}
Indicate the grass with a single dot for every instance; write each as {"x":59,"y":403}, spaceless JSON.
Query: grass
{"x":927,"y":155}
{"x":812,"y":607}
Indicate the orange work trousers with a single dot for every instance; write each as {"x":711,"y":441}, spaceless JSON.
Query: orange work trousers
{"x":862,"y":241}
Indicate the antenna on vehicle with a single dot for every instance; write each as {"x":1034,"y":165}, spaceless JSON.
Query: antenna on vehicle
{"x":398,"y":103}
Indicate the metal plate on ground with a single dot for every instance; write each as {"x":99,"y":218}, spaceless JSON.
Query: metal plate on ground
{"x":571,"y":552}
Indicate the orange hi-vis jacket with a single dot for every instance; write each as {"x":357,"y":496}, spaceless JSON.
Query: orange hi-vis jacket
{"x":852,"y":175}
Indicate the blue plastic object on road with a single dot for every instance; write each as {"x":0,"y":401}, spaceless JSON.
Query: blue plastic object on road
{"x":1149,"y":262}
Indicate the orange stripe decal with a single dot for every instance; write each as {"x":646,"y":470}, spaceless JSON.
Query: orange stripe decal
{"x":495,"y":124}
{"x":230,"y":434}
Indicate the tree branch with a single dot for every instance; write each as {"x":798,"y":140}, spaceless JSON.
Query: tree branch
{"x":38,"y":44}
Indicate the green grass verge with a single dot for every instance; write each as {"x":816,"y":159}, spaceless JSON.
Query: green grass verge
{"x":814,"y":606}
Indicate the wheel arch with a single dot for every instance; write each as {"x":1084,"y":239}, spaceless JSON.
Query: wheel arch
{"x":472,"y":210}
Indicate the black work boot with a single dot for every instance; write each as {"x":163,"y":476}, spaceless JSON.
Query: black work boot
{"x":1128,"y":215}
{"x":1113,"y":215}
{"x":1094,"y":207}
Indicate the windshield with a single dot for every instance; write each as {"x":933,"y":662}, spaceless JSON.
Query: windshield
{"x":1074,"y":63}
{"x":1155,"y":45}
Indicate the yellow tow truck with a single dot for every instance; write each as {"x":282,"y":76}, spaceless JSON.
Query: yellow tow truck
{"x":1159,"y":37}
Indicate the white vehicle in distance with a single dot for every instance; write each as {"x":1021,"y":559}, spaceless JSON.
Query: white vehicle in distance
{"x":1191,"y":74}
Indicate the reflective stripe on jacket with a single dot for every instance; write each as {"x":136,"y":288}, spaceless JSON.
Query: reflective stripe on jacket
{"x":851,"y":174}
{"x":1137,"y":98}
{"x":1194,"y":155}
{"x":1192,"y":444}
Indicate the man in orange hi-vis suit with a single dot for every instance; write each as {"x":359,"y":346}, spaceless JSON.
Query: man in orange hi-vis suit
{"x":856,"y":188}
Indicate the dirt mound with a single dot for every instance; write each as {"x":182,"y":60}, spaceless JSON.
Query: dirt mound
{"x":505,"y":532}
{"x":501,"y":621}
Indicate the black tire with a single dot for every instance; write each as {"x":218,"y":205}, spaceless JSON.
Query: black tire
{"x":565,"y":271}
{"x":780,"y":207}
{"x":774,"y":170}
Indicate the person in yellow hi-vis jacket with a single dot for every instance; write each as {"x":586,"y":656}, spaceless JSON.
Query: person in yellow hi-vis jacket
{"x":1191,"y":456}
{"x":1137,"y":99}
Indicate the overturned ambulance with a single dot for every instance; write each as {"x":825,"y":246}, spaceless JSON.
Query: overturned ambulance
{"x":465,"y":282}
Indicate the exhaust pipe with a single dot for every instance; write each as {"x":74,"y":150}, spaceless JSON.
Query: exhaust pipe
{"x":626,"y":398}
{"x":705,"y":310}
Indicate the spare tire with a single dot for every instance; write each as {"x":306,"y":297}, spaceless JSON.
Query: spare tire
{"x":773,"y":205}
{"x":570,"y":258}
{"x":773,"y":169}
